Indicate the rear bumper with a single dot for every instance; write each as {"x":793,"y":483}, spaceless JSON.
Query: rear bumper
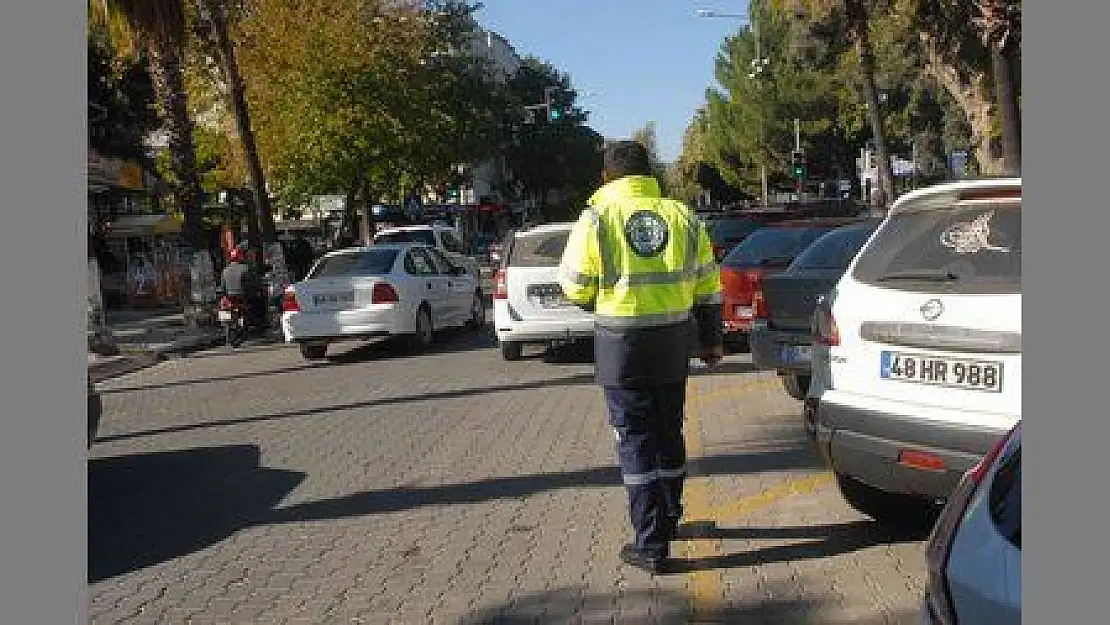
{"x":865,"y":444}
{"x":769,"y":349}
{"x":534,"y":331}
{"x":343,"y":325}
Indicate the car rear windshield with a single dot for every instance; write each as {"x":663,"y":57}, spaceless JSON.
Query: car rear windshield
{"x":407,"y":236}
{"x":773,"y":245}
{"x":538,"y":250}
{"x":369,"y":263}
{"x":966,"y":249}
{"x":731,"y":229}
{"x":836,"y":249}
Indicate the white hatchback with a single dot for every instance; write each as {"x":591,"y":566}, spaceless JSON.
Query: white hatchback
{"x":917,"y":353}
{"x":528,"y":303}
{"x":382,"y":290}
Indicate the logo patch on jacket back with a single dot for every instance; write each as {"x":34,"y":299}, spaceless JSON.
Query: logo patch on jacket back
{"x":647,"y":233}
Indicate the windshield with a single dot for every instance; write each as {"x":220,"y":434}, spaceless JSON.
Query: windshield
{"x":407,"y":236}
{"x":772,"y":244}
{"x":373,"y":262}
{"x":966,"y":249}
{"x":538,"y":250}
{"x":836,"y":249}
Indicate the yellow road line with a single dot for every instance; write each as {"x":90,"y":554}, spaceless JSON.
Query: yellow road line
{"x":706,"y":585}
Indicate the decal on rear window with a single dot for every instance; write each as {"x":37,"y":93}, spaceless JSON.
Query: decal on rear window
{"x":970,"y":237}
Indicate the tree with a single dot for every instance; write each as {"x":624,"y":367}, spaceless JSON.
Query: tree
{"x":546,"y":155}
{"x":157,"y":28}
{"x":214,"y":22}
{"x":121,"y":101}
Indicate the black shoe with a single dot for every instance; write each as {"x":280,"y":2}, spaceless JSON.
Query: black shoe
{"x":632,"y":556}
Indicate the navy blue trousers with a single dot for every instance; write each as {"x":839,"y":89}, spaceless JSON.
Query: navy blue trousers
{"x":652,"y":452}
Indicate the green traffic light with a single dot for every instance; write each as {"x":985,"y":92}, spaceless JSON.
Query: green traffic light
{"x":556,"y":114}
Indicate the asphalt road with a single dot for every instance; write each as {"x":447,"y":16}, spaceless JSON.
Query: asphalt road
{"x":383,"y":486}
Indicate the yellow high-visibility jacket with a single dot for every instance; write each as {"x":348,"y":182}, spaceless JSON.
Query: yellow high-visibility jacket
{"x":642,"y":262}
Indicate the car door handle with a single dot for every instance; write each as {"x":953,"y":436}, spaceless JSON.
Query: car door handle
{"x":429,"y":285}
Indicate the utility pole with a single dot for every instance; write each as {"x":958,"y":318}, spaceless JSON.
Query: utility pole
{"x":798,"y":184}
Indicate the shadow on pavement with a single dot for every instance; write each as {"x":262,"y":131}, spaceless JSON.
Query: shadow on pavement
{"x":145,"y":509}
{"x":827,"y":540}
{"x":224,"y":378}
{"x":573,"y":605}
{"x":583,"y":379}
{"x":783,"y":458}
{"x":446,"y":342}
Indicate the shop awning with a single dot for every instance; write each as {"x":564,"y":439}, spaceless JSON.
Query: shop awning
{"x":142,"y":225}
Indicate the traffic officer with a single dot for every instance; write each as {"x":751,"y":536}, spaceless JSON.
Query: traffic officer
{"x":644,"y":266}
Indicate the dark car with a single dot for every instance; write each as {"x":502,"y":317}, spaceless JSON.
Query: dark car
{"x":765,"y":252}
{"x":781,"y":335}
{"x":727,"y":230}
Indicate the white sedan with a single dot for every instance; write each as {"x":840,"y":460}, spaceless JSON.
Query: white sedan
{"x":406,"y":289}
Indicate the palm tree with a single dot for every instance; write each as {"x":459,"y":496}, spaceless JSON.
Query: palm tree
{"x":158,"y":28}
{"x":999,"y":22}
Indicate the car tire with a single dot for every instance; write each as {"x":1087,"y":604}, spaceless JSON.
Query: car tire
{"x":423,"y":335}
{"x":478,"y":311}
{"x":314,"y":352}
{"x":890,"y":509}
{"x":511,"y":350}
{"x":796,"y":385}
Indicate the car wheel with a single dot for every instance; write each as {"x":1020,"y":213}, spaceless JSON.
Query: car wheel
{"x":511,"y":350}
{"x":314,"y":352}
{"x":422,"y":337}
{"x":478,"y":311}
{"x":891,"y":509}
{"x":796,"y":385}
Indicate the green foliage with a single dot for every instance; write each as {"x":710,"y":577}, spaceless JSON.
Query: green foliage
{"x":121,"y":101}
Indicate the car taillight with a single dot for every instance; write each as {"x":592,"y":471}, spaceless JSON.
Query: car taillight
{"x":500,"y":285}
{"x":289,"y":301}
{"x":938,"y":548}
{"x":825,"y":331}
{"x":383,"y":293}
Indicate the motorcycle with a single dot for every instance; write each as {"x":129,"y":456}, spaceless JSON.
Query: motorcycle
{"x":232,"y":315}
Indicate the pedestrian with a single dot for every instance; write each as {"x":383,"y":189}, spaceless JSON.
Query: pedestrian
{"x":644,"y":266}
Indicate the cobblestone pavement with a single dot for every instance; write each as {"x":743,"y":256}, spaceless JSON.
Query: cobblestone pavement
{"x":453,"y":487}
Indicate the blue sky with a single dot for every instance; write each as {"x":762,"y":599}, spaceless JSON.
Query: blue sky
{"x":642,"y":60}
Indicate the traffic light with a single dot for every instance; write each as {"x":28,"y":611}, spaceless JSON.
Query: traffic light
{"x":555,"y":113}
{"x":798,"y":164}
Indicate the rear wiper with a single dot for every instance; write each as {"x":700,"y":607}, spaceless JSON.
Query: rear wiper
{"x":925,"y":276}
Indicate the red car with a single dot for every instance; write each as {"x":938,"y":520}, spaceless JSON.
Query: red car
{"x":764,"y":252}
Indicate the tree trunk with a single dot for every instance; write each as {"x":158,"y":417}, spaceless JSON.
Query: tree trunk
{"x":857,"y":16}
{"x":1005,"y":93}
{"x":167,"y":70}
{"x":217,"y":13}
{"x":367,"y":222}
{"x":972,"y":97}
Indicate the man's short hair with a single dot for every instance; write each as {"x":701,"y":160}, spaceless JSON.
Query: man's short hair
{"x":627,"y":158}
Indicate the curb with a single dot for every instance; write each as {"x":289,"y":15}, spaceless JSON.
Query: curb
{"x":142,"y":358}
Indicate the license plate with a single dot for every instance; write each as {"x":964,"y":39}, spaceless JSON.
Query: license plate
{"x":796,"y":353}
{"x":743,"y":311}
{"x":553,"y":301}
{"x":976,"y":375}
{"x":224,"y":315}
{"x":335,"y":300}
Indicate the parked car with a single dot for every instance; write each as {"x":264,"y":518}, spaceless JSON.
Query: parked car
{"x":407,"y":289}
{"x":974,"y":551}
{"x":917,"y":351}
{"x":729,"y":229}
{"x":444,"y":238}
{"x":528,"y":303}
{"x":766,"y":251}
{"x":781,"y":337}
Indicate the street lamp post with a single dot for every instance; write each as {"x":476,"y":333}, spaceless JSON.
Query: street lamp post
{"x":758,"y":64}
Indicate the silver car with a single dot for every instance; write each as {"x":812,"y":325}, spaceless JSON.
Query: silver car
{"x":974,"y":552}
